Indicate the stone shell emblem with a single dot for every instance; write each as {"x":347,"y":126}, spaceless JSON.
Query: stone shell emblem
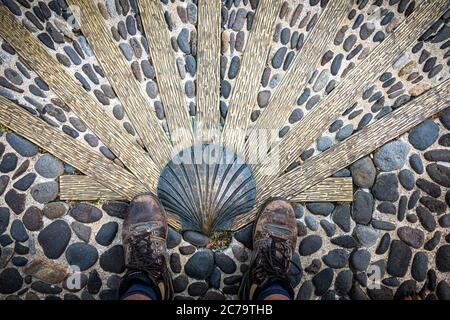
{"x":207,"y":186}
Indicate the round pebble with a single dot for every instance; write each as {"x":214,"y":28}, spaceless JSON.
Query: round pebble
{"x":113,"y":260}
{"x":105,"y":236}
{"x":86,"y":213}
{"x":200,"y":265}
{"x":49,"y":167}
{"x":81,"y":255}
{"x":424,"y":135}
{"x":310,"y":245}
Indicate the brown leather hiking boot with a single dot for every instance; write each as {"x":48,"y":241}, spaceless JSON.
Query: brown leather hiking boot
{"x":144,"y":236}
{"x":274,"y":242}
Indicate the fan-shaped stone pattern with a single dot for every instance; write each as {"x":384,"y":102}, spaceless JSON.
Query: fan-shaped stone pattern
{"x":118,"y":72}
{"x":67,"y":89}
{"x":182,"y":19}
{"x":405,"y":79}
{"x":171,"y":87}
{"x":61,"y":38}
{"x":303,"y":64}
{"x":307,"y":129}
{"x":50,"y":108}
{"x":352,"y":43}
{"x":237,"y":21}
{"x":207,"y":186}
{"x":253,"y":62}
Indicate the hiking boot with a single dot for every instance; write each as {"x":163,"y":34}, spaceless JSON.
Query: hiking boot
{"x":274,"y":242}
{"x":144,"y":236}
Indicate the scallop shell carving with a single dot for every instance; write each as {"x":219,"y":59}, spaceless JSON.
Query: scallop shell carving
{"x":207,"y":186}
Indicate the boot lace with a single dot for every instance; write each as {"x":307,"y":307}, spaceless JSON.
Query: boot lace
{"x":275,"y":261}
{"x":145,"y":257}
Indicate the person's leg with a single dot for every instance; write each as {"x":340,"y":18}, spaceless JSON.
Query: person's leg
{"x":274,"y":241}
{"x":144,"y":234}
{"x":137,"y":297}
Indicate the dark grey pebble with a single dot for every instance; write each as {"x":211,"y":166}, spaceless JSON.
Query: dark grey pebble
{"x":180,"y":283}
{"x":416,"y":163}
{"x":81,"y":230}
{"x":387,"y":207}
{"x":82,"y":255}
{"x":21,"y":145}
{"x":443,"y":258}
{"x":406,"y":179}
{"x":362,"y":208}
{"x":424,"y":135}
{"x":116,"y":208}
{"x":10,"y":281}
{"x":187,"y":250}
{"x":214,"y":279}
{"x":383,"y":225}
{"x":32,"y":219}
{"x":328,"y":227}
{"x":419,"y":266}
{"x":444,"y":221}
{"x":18,"y":231}
{"x":94,"y":283}
{"x":411,"y":236}
{"x":343,"y":282}
{"x":113,"y":260}
{"x":360,"y":259}
{"x":196,"y":238}
{"x":345,"y":241}
{"x":391,"y":282}
{"x":8,"y":163}
{"x":197,"y":289}
{"x":434,"y":205}
{"x":341,"y":216}
{"x":386,"y":187}
{"x":4,"y":219}
{"x":381,"y":293}
{"x":21,"y":249}
{"x":45,"y":192}
{"x":366,"y":235}
{"x":322,"y":281}
{"x":25,"y":182}
{"x":49,"y":167}
{"x":225,"y":263}
{"x":413,"y":199}
{"x":200,"y":265}
{"x":426,"y":218}
{"x":15,"y":201}
{"x":443,"y":290}
{"x":310,"y":245}
{"x":399,"y":258}
{"x":45,"y":288}
{"x":245,"y":236}
{"x":173,"y":238}
{"x":320,"y":208}
{"x":336,"y":258}
{"x":86,"y":213}
{"x":439,"y":174}
{"x":306,"y":290}
{"x":314,"y":266}
{"x":105,"y":236}
{"x":429,"y":187}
